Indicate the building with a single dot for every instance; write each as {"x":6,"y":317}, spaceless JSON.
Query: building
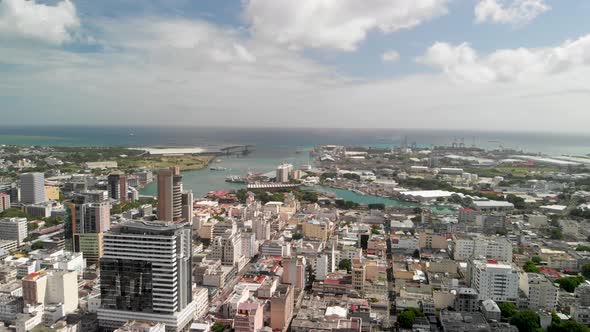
{"x":358,"y":274}
{"x":145,"y":274}
{"x":466,"y":299}
{"x":491,"y":206}
{"x":169,"y":194}
{"x":41,"y":210}
{"x":284,"y":173}
{"x":52,"y":287}
{"x":10,"y":307}
{"x":490,"y":310}
{"x":14,"y":229}
{"x":117,"y":186}
{"x":316,"y":230}
{"x":99,"y":164}
{"x":463,"y":321}
{"x":88,"y":217}
{"x":142,"y":326}
{"x":492,"y":224}
{"x":32,"y":188}
{"x":227,"y":248}
{"x":249,"y":317}
{"x":496,"y":248}
{"x":542,"y":294}
{"x":281,"y":307}
{"x":493,"y":280}
{"x":201,"y":299}
{"x":4,"y":202}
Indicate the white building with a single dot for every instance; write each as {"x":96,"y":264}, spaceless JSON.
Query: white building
{"x":496,"y":281}
{"x":14,"y":229}
{"x":284,"y":172}
{"x":32,"y":188}
{"x":201,"y":299}
{"x":227,"y":249}
{"x":541,"y":293}
{"x":495,"y":248}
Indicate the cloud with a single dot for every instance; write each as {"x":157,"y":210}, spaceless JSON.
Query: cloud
{"x":462,"y":63}
{"x":36,"y":21}
{"x":335,"y":24}
{"x":390,"y":56}
{"x":516,"y":12}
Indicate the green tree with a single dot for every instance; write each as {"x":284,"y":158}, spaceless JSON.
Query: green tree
{"x":569,"y":284}
{"x":536,"y":259}
{"x":508,"y":309}
{"x":582,"y":248}
{"x":375,"y":230}
{"x":556,"y":234}
{"x":217,"y":327}
{"x":586,"y":271}
{"x":416,"y":253}
{"x":526,"y":321}
{"x":557,"y":325}
{"x":407,"y":317}
{"x":37,"y":245}
{"x":530,"y":267}
{"x":345,"y":264}
{"x":33,"y":226}
{"x":297,"y":236}
{"x":13,"y":213}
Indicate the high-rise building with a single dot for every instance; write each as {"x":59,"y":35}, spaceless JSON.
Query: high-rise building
{"x":117,"y":186}
{"x":227,"y":248}
{"x":145,"y":274}
{"x":497,"y":248}
{"x":358,"y":274}
{"x":4,"y":202}
{"x":284,"y":172}
{"x":187,"y":207}
{"x":249,"y":317}
{"x":14,"y":229}
{"x":466,"y":299}
{"x":170,"y":194}
{"x":493,"y":280}
{"x":88,"y":217}
{"x":32,"y":188}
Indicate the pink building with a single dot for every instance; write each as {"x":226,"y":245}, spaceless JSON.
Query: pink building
{"x":249,"y":317}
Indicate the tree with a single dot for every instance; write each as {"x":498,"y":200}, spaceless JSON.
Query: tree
{"x":376,"y":206}
{"x":582,"y":248}
{"x":557,"y":325}
{"x":345,"y":264}
{"x":556,"y":234}
{"x":508,"y":309}
{"x":586,"y":271}
{"x":217,"y":327}
{"x":407,"y":317}
{"x":530,"y":267}
{"x":569,"y":284}
{"x":536,"y":259}
{"x":518,"y":202}
{"x":33,"y":226}
{"x":375,"y":230}
{"x":525,"y":321}
{"x":297,"y":236}
{"x":37,"y":245}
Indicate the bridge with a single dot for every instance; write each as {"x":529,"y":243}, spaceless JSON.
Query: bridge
{"x":272,"y":185}
{"x":237,"y":149}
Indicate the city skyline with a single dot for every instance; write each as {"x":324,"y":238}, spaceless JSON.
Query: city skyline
{"x":487,"y":64}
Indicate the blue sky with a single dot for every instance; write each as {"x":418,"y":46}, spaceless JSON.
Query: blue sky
{"x":453,"y":63}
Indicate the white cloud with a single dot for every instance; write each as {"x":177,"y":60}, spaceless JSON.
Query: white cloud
{"x":461,"y":62}
{"x":390,"y":56}
{"x":32,"y":20}
{"x":509,"y":11}
{"x":335,"y":24}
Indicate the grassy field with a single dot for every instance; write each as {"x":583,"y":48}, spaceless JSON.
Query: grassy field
{"x":185,"y":162}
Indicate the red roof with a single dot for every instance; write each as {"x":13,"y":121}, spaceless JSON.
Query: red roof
{"x":492,"y":261}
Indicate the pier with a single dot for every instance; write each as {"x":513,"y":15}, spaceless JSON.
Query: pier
{"x":237,"y":149}
{"x":272,"y":186}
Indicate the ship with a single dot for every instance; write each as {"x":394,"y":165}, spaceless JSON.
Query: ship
{"x":235,"y":179}
{"x":218,"y":169}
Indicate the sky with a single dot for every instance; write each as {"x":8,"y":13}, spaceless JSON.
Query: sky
{"x":514,"y":65}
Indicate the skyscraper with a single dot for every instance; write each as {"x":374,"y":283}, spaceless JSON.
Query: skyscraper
{"x":117,"y":186}
{"x":146,"y":275}
{"x":169,"y":194}
{"x":32,"y":187}
{"x":87,"y":219}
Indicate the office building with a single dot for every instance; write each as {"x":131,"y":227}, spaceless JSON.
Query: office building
{"x":187,"y":207}
{"x":145,"y":274}
{"x":117,"y":186}
{"x":88,"y":217}
{"x":4,"y":202}
{"x":32,"y":188}
{"x":227,"y":248}
{"x":52,"y":287}
{"x":169,"y":194}
{"x":14,"y":229}
{"x":281,"y":307}
{"x":493,"y":280}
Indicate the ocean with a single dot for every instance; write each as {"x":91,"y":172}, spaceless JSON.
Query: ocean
{"x":277,"y":145}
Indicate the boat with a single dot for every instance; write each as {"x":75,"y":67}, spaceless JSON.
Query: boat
{"x":235,"y":179}
{"x":218,"y":169}
{"x":356,"y":191}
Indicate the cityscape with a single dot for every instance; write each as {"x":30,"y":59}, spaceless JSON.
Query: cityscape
{"x":294,"y":166}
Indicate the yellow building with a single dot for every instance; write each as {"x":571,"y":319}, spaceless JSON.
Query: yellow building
{"x":317,"y":230}
{"x":52,"y":193}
